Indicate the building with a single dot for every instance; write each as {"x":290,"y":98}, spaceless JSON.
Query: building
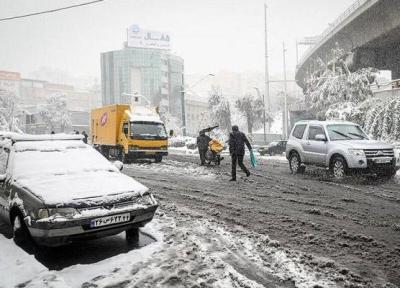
{"x":197,"y":116}
{"x":31,"y":94}
{"x":10,"y":82}
{"x":145,"y":67}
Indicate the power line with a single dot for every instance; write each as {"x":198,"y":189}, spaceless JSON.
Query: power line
{"x":50,"y":11}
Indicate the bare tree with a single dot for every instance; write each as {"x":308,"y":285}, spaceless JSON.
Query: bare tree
{"x":55,"y":113}
{"x":220,"y":110}
{"x":9,"y":111}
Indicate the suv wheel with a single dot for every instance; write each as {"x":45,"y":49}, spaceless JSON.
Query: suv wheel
{"x":338,"y":168}
{"x":295,"y":163}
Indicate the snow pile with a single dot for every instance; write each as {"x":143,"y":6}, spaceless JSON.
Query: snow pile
{"x":23,"y":270}
{"x":169,"y":167}
{"x":194,"y":252}
{"x":56,"y":173}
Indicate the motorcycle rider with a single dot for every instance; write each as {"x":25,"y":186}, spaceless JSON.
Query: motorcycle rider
{"x":237,"y":140}
{"x":202,"y":144}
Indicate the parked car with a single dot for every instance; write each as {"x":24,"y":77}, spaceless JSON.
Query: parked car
{"x":273,"y":148}
{"x":341,"y":146}
{"x":55,"y":189}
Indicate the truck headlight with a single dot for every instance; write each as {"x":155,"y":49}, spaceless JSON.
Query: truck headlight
{"x":63,"y":212}
{"x":357,"y":152}
{"x":163,"y":147}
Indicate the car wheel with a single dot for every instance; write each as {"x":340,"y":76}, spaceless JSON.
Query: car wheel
{"x":21,"y":235}
{"x":339,"y":168}
{"x":295,"y":164}
{"x":132,"y":236}
{"x":158,"y":159}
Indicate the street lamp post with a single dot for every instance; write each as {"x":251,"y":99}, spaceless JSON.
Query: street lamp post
{"x":183,"y":91}
{"x":263,"y":99}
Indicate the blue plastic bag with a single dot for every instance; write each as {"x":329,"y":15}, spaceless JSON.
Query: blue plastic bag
{"x":253,"y":159}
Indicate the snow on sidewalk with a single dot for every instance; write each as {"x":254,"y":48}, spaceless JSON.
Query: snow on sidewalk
{"x":17,"y":268}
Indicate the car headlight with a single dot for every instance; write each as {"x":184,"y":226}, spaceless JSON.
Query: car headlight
{"x":146,"y":200}
{"x":63,"y":212}
{"x":42,"y":213}
{"x":163,"y":147}
{"x":357,"y":152}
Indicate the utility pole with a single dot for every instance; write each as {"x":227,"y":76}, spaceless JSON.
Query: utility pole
{"x":285,"y":116}
{"x":183,"y":107}
{"x":266,"y":73}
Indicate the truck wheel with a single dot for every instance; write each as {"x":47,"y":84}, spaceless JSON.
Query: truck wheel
{"x":338,"y":167}
{"x":132,"y":236}
{"x":295,"y":163}
{"x":158,"y":159}
{"x":123,"y":157}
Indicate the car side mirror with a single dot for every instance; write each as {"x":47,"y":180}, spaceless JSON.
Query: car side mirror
{"x":119,"y":165}
{"x":320,"y":137}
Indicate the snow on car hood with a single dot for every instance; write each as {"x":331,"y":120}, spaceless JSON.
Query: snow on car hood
{"x":363,"y":144}
{"x":68,"y":171}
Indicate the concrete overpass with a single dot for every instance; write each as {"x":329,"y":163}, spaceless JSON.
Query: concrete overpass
{"x":370,"y":29}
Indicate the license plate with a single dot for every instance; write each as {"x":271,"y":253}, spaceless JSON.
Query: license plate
{"x":383,"y":160}
{"x":110,"y":220}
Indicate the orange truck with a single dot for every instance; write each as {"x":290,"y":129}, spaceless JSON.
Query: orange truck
{"x":128,"y":132}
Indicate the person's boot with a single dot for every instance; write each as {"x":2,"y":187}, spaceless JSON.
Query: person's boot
{"x":233,"y":179}
{"x":248,"y":173}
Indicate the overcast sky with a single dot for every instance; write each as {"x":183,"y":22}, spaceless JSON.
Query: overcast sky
{"x":211,"y":35}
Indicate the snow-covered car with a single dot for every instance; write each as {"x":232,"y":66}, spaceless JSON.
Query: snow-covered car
{"x":55,"y":189}
{"x":341,"y":146}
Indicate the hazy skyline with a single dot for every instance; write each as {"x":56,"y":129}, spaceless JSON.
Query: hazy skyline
{"x":210,"y":35}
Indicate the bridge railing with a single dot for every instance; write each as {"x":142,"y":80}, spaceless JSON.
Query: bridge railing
{"x":333,"y":25}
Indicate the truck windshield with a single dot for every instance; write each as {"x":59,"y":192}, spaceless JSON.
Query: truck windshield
{"x":148,"y":130}
{"x":345,"y":132}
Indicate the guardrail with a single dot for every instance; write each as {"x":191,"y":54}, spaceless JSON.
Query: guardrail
{"x":332,"y":26}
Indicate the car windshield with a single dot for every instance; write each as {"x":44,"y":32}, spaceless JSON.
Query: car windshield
{"x":148,"y":130}
{"x":345,"y":132}
{"x":43,"y":158}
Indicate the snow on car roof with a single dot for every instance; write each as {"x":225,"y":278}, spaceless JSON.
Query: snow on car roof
{"x":29,"y":137}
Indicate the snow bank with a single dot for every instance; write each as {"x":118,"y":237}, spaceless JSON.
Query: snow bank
{"x":62,"y":171}
{"x":18,"y":268}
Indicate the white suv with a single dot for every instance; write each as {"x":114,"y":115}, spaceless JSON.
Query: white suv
{"x":341,"y":146}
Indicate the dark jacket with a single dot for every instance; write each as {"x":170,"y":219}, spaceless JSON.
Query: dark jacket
{"x":237,"y":140}
{"x":202,"y":142}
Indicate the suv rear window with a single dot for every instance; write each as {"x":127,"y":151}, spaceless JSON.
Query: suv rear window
{"x":299,"y":131}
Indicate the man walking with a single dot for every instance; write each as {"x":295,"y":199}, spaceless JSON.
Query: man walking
{"x":202,"y":144}
{"x":237,"y":140}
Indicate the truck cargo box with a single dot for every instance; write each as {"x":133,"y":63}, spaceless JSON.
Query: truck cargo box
{"x":105,"y":123}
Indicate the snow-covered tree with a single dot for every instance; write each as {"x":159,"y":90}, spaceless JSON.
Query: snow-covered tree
{"x":333,"y":84}
{"x":55,"y":113}
{"x":252,"y":109}
{"x":9,"y":111}
{"x":220,"y":111}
